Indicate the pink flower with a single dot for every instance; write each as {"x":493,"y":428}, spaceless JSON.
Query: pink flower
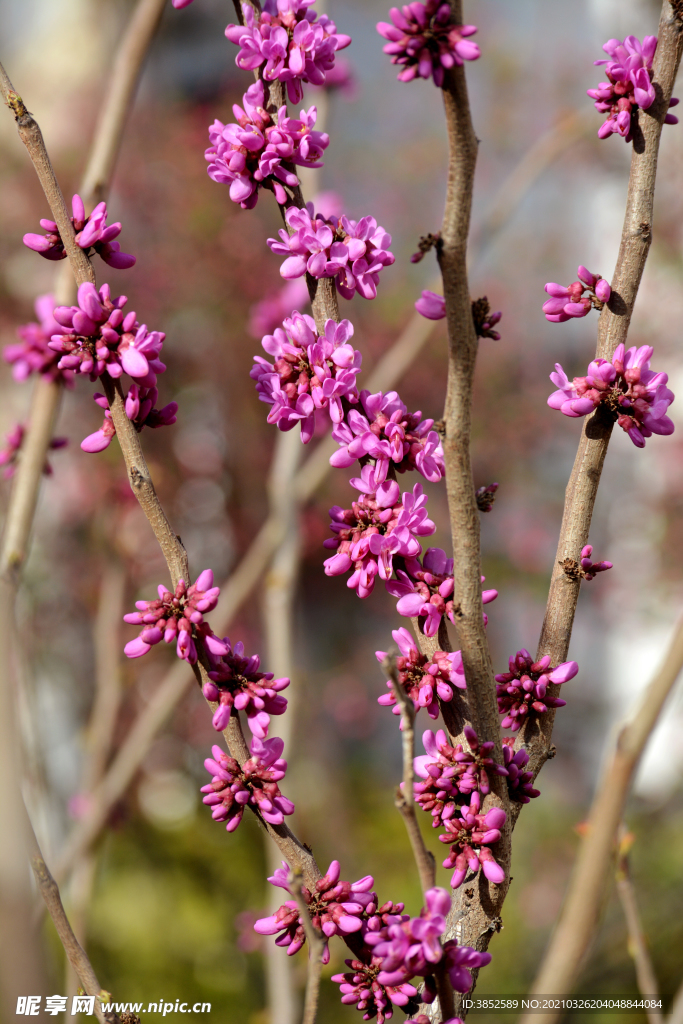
{"x":336,"y":907}
{"x":374,"y":529}
{"x":33,"y":353}
{"x":629,"y":87}
{"x":310,"y":372}
{"x":255,"y":784}
{"x":431,"y":305}
{"x":424,"y":41}
{"x":471,"y":833}
{"x":520,"y":781}
{"x":387,"y":433}
{"x":565,"y":303}
{"x":522,"y":691}
{"x":295,"y":44}
{"x":237,"y":682}
{"x":590,"y":569}
{"x":179,"y":617}
{"x":449,"y":773}
{"x":626,"y":389}
{"x":97,"y":337}
{"x":424,"y":680}
{"x":352,"y":252}
{"x":249,"y":155}
{"x":9,"y":455}
{"x":92,"y":235}
{"x":139,"y":404}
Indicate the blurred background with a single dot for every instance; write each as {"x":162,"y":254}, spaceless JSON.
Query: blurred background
{"x":174,"y":896}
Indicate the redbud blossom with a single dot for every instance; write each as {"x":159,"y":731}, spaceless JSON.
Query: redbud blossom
{"x":256,"y":784}
{"x":424,"y":680}
{"x":522,"y":691}
{"x":569,"y":302}
{"x":626,"y":389}
{"x":423,"y":39}
{"x":236,"y":681}
{"x":629,"y":87}
{"x":92,"y":235}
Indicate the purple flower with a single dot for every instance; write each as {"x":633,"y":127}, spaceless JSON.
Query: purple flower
{"x":237,"y":682}
{"x":249,"y":155}
{"x":387,"y":434}
{"x":423,"y":40}
{"x":178,"y":617}
{"x":629,"y":86}
{"x":425,"y":590}
{"x":92,"y":234}
{"x":310,"y":372}
{"x":33,"y":353}
{"x":9,"y":455}
{"x":449,"y":773}
{"x":627,"y":389}
{"x":565,"y":303}
{"x":352,"y":252}
{"x":139,"y":405}
{"x":295,"y":44}
{"x":520,"y":781}
{"x":591,"y":569}
{"x":359,"y":987}
{"x":469,"y":828}
{"x":431,"y":305}
{"x":374,"y":529}
{"x":424,"y":680}
{"x":523,"y":690}
{"x":336,"y":907}
{"x":96,"y":336}
{"x":256,"y":783}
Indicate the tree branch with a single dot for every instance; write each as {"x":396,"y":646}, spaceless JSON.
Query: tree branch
{"x":581,"y":911}
{"x":637,"y":942}
{"x":612,"y":331}
{"x":316,"y":945}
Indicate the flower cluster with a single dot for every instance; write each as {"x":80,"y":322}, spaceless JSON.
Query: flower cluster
{"x":425,"y":590}
{"x":470,"y":834}
{"x":423,"y":679}
{"x":256,"y":783}
{"x":97,"y":337}
{"x":335,"y":907}
{"x":309,"y":372}
{"x":93,"y":235}
{"x":629,"y":85}
{"x":379,"y":525}
{"x":360,"y":987}
{"x":520,"y":781}
{"x":589,"y":568}
{"x":424,"y":41}
{"x":179,"y":617}
{"x":451,"y":774}
{"x":626,"y":388}
{"x":139,"y":404}
{"x":255,"y":151}
{"x":352,"y":252}
{"x":294,"y":43}
{"x":33,"y":353}
{"x":389,"y":435}
{"x":565,"y":303}
{"x":523,"y":690}
{"x":9,"y":455}
{"x":237,"y":682}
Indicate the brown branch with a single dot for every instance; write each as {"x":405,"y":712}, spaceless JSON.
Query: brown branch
{"x":316,"y":944}
{"x":581,"y":911}
{"x":472,"y":921}
{"x":637,"y":943}
{"x":405,"y":798}
{"x":612,"y":331}
{"x":77,"y":956}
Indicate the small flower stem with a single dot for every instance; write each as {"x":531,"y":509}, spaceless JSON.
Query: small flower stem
{"x":637,"y":942}
{"x":77,"y":956}
{"x":612,"y":330}
{"x":316,"y":945}
{"x":405,"y":799}
{"x":581,"y":910}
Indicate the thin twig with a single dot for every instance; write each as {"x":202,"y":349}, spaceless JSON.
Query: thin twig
{"x":77,"y":956}
{"x":677,"y":1008}
{"x":637,"y":943}
{"x":581,"y":911}
{"x":612,"y":331}
{"x":405,"y":797}
{"x":316,"y":945}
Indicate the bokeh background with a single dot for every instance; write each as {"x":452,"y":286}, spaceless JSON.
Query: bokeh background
{"x":174,"y":896}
